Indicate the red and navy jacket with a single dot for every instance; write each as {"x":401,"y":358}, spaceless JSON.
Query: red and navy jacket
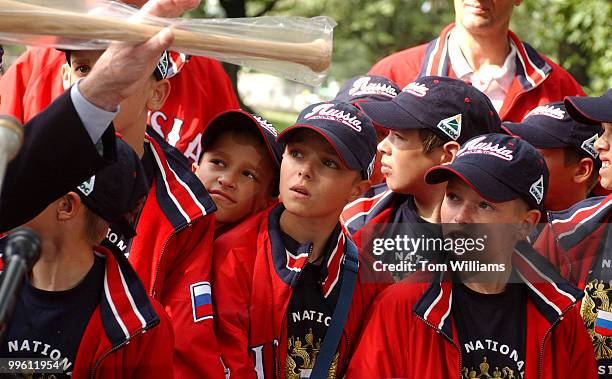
{"x":573,"y":239}
{"x":172,"y":254}
{"x":411,"y":332}
{"x":255,"y":276}
{"x":129,"y":335}
{"x":538,"y":80}
{"x":374,"y":206}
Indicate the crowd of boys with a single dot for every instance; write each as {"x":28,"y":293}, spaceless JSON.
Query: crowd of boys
{"x":402,"y":230}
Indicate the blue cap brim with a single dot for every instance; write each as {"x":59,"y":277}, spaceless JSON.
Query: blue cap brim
{"x":537,"y":136}
{"x":275,"y":152}
{"x":391,"y":116}
{"x":486,"y":185}
{"x":345,"y":154}
{"x":590,"y":110}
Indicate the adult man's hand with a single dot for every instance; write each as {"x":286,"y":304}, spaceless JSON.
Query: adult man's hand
{"x":122,"y":68}
{"x":169,"y":8}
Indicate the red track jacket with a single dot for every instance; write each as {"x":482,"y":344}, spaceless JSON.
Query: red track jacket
{"x":200,"y":91}
{"x":538,"y":79}
{"x":411,"y":334}
{"x":254,"y":276}
{"x":573,"y":239}
{"x":114,"y":344}
{"x":368,"y":216}
{"x":172,"y":253}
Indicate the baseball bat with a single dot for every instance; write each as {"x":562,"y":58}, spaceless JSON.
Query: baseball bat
{"x":23,"y":18}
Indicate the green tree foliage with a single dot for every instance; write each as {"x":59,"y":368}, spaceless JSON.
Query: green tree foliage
{"x":577,"y":34}
{"x":574,"y":33}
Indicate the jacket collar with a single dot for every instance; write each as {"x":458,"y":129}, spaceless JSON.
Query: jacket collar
{"x":125,"y":308}
{"x":551,"y":294}
{"x":577,"y":223}
{"x":288,"y":265}
{"x":531,"y":68}
{"x":180,"y":194}
{"x":361,"y":211}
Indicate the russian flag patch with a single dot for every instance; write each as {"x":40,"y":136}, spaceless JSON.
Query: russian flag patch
{"x":201,"y":301}
{"x":603,"y":324}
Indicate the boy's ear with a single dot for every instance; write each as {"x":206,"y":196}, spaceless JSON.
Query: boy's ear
{"x":583,"y":171}
{"x":68,"y":206}
{"x":530,"y":220}
{"x":450,"y":150}
{"x":194,"y":167}
{"x":158,"y":94}
{"x":358,"y":189}
{"x":66,"y":76}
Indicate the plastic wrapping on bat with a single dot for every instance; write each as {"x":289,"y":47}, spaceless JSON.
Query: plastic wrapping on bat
{"x":295,"y":48}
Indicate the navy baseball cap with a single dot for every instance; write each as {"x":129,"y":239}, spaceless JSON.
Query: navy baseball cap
{"x":451,"y":108}
{"x":242,"y":118}
{"x":367,"y":88}
{"x":590,"y":110}
{"x":490,"y":163}
{"x":161,"y":70}
{"x":551,"y":127}
{"x":115,"y":191}
{"x":347,"y":129}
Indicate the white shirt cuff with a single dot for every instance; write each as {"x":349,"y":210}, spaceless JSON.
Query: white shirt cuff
{"x":94,"y":119}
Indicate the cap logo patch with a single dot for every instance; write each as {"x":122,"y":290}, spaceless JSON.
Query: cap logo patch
{"x":451,"y":126}
{"x":87,"y":186}
{"x":589,"y":146}
{"x":163,"y":64}
{"x":266,"y":125}
{"x":328,"y":112}
{"x":537,"y":189}
{"x":416,"y":89}
{"x":476,"y":146}
{"x":362,"y":86}
{"x":548,"y":111}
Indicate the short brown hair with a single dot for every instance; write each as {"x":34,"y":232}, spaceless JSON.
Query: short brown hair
{"x":95,"y":227}
{"x":430,"y":140}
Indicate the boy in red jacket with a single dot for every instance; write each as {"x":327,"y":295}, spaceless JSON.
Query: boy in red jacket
{"x":239,"y":166}
{"x":577,"y":240}
{"x":287,"y":277}
{"x":83,"y":309}
{"x":171,"y":253}
{"x":494,"y":311}
{"x":427,"y":122}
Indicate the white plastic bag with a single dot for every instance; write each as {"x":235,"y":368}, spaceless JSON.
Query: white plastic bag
{"x":295,"y":48}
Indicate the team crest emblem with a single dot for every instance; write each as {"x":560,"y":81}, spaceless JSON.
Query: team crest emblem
{"x":451,"y":126}
{"x":589,"y":146}
{"x":537,"y":190}
{"x":87,"y":186}
{"x":201,"y":301}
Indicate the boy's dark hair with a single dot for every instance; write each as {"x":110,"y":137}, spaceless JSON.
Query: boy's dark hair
{"x":571,"y":157}
{"x":237,"y":130}
{"x":430,"y":140}
{"x":95,"y":227}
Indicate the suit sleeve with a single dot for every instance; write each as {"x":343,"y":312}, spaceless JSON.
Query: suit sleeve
{"x":197,"y":353}
{"x":57,"y":155}
{"x":232,"y":275}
